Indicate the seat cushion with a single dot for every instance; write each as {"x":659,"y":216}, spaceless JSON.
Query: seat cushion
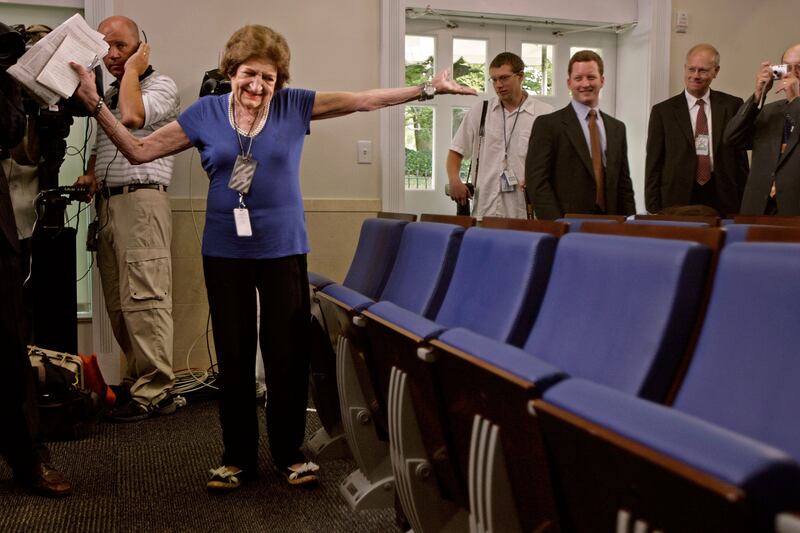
{"x":769,"y":475}
{"x":503,"y":356}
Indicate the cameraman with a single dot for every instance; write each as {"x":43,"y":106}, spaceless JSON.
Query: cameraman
{"x":772,"y":133}
{"x":20,"y":444}
{"x":135,"y":224}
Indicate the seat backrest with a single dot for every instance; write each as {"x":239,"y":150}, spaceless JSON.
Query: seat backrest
{"x":556,"y":229}
{"x":736,"y":232}
{"x":710,"y":220}
{"x":745,"y":370}
{"x":774,"y":234}
{"x":399,"y":216}
{"x":375,"y":255}
{"x":591,"y":216}
{"x":576,"y":223}
{"x":461,"y":220}
{"x":767,"y":220}
{"x":684,"y":223}
{"x":423,"y":267}
{"x":498,"y":283}
{"x":619,"y":310}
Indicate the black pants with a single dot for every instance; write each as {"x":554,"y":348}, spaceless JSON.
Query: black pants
{"x":707,"y":195}
{"x":20,"y":445}
{"x":282,"y":286}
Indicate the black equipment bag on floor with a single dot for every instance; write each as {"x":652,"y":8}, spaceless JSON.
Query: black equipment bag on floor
{"x":66,"y":410}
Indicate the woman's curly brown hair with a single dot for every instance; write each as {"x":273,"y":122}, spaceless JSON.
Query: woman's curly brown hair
{"x":256,"y":41}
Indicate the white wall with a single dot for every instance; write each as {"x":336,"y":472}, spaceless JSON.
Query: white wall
{"x":608,"y":11}
{"x":334,"y":47}
{"x":641,"y":83}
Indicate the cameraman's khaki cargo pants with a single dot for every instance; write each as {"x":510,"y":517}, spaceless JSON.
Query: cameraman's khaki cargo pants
{"x":133,"y":256}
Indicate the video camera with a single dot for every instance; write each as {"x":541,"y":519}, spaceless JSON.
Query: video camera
{"x":53,"y":123}
{"x":215,"y":82}
{"x":12,"y":46}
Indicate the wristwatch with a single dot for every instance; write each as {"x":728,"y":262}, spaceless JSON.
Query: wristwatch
{"x":426,"y":91}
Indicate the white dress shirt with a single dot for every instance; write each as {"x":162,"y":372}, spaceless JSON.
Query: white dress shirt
{"x":490,"y":200}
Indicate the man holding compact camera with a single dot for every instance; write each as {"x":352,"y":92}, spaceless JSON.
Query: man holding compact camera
{"x":772,"y":132}
{"x":501,"y":147}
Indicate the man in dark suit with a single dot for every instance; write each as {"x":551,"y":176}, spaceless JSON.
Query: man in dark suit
{"x":578,"y":156}
{"x":772,"y":132}
{"x":687,"y":162}
{"x":19,"y":442}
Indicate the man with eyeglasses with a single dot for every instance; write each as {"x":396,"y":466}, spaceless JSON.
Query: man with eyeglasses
{"x":135,"y":224}
{"x":687,"y":161}
{"x":500,"y":155}
{"x":772,"y":132}
{"x":578,"y":156}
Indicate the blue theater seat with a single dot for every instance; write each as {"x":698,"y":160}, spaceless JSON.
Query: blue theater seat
{"x":496,"y":290}
{"x":737,"y":232}
{"x":618,"y":310}
{"x":725,"y":456}
{"x":420,"y":276}
{"x":761,"y":233}
{"x":373,"y":258}
{"x":576,"y":223}
{"x":684,"y":223}
{"x":372,"y":262}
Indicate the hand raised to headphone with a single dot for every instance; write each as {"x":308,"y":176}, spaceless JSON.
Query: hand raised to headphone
{"x":140,"y":59}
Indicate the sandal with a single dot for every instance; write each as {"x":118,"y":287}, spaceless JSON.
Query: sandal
{"x":305,"y":474}
{"x":224,"y":479}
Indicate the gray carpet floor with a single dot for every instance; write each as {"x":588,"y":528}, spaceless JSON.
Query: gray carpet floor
{"x":151,"y":475}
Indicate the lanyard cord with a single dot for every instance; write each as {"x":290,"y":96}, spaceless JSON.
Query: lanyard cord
{"x":507,"y":141}
{"x":246,"y":155}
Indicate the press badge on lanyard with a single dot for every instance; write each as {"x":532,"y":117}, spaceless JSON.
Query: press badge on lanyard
{"x":243,"y":171}
{"x":508,"y":180}
{"x":701,"y":144}
{"x":241,"y":178}
{"x":241,"y":216}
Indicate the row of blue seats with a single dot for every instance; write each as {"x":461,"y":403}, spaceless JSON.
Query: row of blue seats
{"x":484,"y":355}
{"x":733,"y":232}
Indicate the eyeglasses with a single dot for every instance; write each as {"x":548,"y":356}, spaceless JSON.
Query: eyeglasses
{"x":699,"y":71}
{"x":503,"y":79}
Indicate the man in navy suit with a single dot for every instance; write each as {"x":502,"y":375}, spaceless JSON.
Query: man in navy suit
{"x":578,"y":156}
{"x":687,"y":160}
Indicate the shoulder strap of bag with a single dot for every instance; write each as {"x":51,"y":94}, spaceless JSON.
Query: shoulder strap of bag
{"x":477,"y":154}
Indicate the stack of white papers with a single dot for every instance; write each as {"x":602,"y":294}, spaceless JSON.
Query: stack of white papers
{"x":44,"y":69}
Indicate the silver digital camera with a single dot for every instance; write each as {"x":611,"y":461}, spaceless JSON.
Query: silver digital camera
{"x":778,"y":71}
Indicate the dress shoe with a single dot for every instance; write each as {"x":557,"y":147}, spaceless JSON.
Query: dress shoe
{"x":46,"y":480}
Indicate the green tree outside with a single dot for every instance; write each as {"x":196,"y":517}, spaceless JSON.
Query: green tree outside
{"x":419,"y":131}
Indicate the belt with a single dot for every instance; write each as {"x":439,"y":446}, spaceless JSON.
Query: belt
{"x":108,"y":192}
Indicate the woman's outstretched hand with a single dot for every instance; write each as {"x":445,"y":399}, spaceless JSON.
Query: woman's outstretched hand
{"x":86,"y":91}
{"x":445,"y":85}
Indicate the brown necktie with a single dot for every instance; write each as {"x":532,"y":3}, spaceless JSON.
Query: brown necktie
{"x":703,"y":172}
{"x":597,"y":161}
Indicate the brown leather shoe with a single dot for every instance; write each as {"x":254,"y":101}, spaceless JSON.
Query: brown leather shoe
{"x":48,"y":481}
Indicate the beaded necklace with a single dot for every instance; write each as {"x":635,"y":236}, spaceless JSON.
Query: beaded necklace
{"x":255,"y":128}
